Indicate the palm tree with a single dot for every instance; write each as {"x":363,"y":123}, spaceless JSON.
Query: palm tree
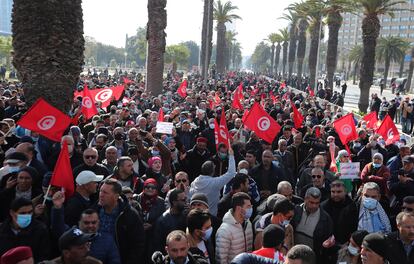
{"x":206,"y":36}
{"x":355,"y":56}
{"x":230,"y":39}
{"x":390,"y":49}
{"x":333,"y":10}
{"x":284,"y":33}
{"x":278,"y":49}
{"x":370,"y":32}
{"x":402,"y":62}
{"x":157,"y":22}
{"x":410,"y":72}
{"x":272,"y":38}
{"x":48,"y":53}
{"x":292,"y":17}
{"x":223,"y":14}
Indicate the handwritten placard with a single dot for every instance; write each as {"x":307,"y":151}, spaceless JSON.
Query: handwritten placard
{"x":164,"y":127}
{"x":349,"y":170}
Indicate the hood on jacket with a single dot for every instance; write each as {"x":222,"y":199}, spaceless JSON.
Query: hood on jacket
{"x":229,"y":218}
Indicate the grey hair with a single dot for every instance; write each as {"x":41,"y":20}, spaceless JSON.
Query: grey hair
{"x":282,"y":185}
{"x":303,"y":253}
{"x":371,"y":186}
{"x":313,"y":192}
{"x":401,"y":215}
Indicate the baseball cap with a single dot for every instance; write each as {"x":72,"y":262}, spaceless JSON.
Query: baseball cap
{"x":409,"y":159}
{"x":87,"y":176}
{"x":74,"y":237}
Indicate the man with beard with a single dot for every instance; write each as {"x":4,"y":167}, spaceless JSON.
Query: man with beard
{"x":343,"y":212}
{"x":90,"y":158}
{"x":177,"y":247}
{"x":401,"y":243}
{"x":193,"y":159}
{"x":306,"y":175}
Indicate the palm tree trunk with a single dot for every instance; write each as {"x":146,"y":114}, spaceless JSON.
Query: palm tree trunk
{"x":48,"y":48}
{"x":221,"y":47}
{"x":355,"y":73}
{"x":386,"y":70}
{"x":301,"y":47}
{"x":410,"y":72}
{"x":157,"y":22}
{"x":206,"y":38}
{"x":332,"y":53}
{"x":272,"y":59}
{"x":313,"y":53}
{"x":400,"y":73}
{"x":292,"y":49}
{"x":277,"y":58}
{"x":370,"y":32}
{"x":285,"y":53}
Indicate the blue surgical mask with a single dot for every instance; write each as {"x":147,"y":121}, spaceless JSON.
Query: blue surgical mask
{"x":155,"y":153}
{"x":24,"y":220}
{"x":376,"y":166}
{"x":248,"y":213}
{"x":207,"y":234}
{"x":353,"y":250}
{"x":285,"y":223}
{"x":13,"y":169}
{"x":222,"y":155}
{"x":369,"y":203}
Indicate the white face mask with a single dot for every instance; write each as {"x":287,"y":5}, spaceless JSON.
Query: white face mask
{"x":211,"y":125}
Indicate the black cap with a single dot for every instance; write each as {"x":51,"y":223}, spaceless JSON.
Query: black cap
{"x":16,"y":157}
{"x":74,"y":237}
{"x":358,"y":236}
{"x":409,"y":159}
{"x":376,"y":242}
{"x":273,"y":236}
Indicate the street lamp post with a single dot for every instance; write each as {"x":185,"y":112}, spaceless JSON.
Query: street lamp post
{"x":126,"y":54}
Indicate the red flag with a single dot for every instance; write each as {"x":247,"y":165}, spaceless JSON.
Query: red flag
{"x":182,"y":90}
{"x":371,"y":119}
{"x":286,"y":96}
{"x":388,"y":131}
{"x":126,"y":80}
{"x":345,"y":127}
{"x":317,"y":131}
{"x":262,"y":123}
{"x":104,"y":95}
{"x":217,"y":99}
{"x":161,"y":115}
{"x":75,"y":119}
{"x":224,"y":132}
{"x":216,"y":133}
{"x":311,"y":91}
{"x":88,"y":104}
{"x":283,"y":85}
{"x":245,"y":114}
{"x":45,"y":120}
{"x":62,"y":174}
{"x":237,"y":96}
{"x":297,"y":116}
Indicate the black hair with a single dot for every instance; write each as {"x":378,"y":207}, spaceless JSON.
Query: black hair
{"x":252,"y":152}
{"x":238,"y":199}
{"x":283,"y":206}
{"x":408,"y":199}
{"x":196,"y":218}
{"x":238,"y":180}
{"x":116,"y":185}
{"x":174,"y":195}
{"x":303,"y":253}
{"x":18,"y":203}
{"x":122,"y":160}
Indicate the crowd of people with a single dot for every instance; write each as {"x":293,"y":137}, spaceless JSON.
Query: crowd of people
{"x":145,"y":197}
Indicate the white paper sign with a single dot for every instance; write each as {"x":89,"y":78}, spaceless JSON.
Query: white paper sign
{"x":349,"y":170}
{"x":164,"y":127}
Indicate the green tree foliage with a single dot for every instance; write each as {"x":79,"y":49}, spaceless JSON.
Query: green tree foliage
{"x":102,"y":54}
{"x":177,"y":55}
{"x":194,"y":53}
{"x":5,"y":49}
{"x":260,"y":60}
{"x":136,"y":46}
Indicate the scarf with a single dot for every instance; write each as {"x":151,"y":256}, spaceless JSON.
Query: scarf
{"x":373,"y":221}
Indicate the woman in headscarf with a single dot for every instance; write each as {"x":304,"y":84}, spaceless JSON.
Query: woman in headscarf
{"x":377,"y":172}
{"x":343,"y":157}
{"x":154,"y":172}
{"x":152,"y":207}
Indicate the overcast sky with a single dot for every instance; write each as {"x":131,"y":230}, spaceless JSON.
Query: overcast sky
{"x":109,"y":21}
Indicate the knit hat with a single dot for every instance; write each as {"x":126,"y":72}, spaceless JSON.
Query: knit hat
{"x":152,"y":160}
{"x":358,"y":236}
{"x":273,"y":236}
{"x":375,"y":242}
{"x":199,"y":198}
{"x":16,"y":255}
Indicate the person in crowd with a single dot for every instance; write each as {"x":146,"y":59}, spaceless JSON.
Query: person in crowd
{"x":305,"y":177}
{"x":125,"y":174}
{"x":90,"y":158}
{"x":195,"y":157}
{"x":18,"y":255}
{"x":235,"y":234}
{"x":395,"y":163}
{"x":211,"y":186}
{"x":240,"y":184}
{"x":285,"y":188}
{"x":401,"y":243}
{"x":377,"y":172}
{"x":272,"y":243}
{"x":21,"y":229}
{"x":111,"y":158}
{"x":182,"y":182}
{"x":313,"y":226}
{"x":351,"y":252}
{"x":402,"y":185}
{"x":408,"y":204}
{"x":177,"y":248}
{"x":199,"y":231}
{"x":318,"y":181}
{"x":221,"y":160}
{"x":154,"y":172}
{"x":374,"y":249}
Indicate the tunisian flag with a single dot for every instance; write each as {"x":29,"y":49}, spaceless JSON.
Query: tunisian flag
{"x":345,"y":127}
{"x":45,"y":120}
{"x":88,"y":104}
{"x":104,"y":95}
{"x":388,"y":131}
{"x":237,"y":96}
{"x":297,"y":116}
{"x":262,"y":123}
{"x":223,"y":130}
{"x":371,"y":119}
{"x":161,"y":115}
{"x":182,"y":90}
{"x":62,"y":174}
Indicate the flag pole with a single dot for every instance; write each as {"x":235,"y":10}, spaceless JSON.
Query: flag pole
{"x":47,"y":192}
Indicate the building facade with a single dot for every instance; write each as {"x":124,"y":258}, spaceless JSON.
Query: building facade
{"x":5,"y":17}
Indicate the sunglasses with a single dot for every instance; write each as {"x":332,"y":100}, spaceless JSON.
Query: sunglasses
{"x":316,"y":176}
{"x":181,"y":181}
{"x":148,"y":187}
{"x":90,"y":157}
{"x":407,"y":209}
{"x":90,"y":222}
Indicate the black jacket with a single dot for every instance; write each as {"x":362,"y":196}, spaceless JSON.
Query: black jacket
{"x":74,"y":208}
{"x":192,"y":259}
{"x":249,"y":258}
{"x":130,"y":236}
{"x":276,"y":176}
{"x":395,"y":251}
{"x":35,"y":236}
{"x":7,"y":196}
{"x":193,"y":161}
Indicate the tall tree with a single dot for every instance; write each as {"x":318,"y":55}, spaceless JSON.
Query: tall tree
{"x":272,"y":38}
{"x":206,"y":36}
{"x":402,"y":61}
{"x":48,"y":48}
{"x":410,"y":72}
{"x":177,"y":55}
{"x":284,"y":33}
{"x":223,"y":14}
{"x":260,"y":57}
{"x":355,"y":56}
{"x":194,"y":53}
{"x":390,"y":49}
{"x":157,"y":22}
{"x":237,"y":58}
{"x":370,"y":31}
{"x":230,"y":40}
{"x":292,"y":17}
{"x":334,"y":19}
{"x":5,"y":49}
{"x":277,"y":55}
